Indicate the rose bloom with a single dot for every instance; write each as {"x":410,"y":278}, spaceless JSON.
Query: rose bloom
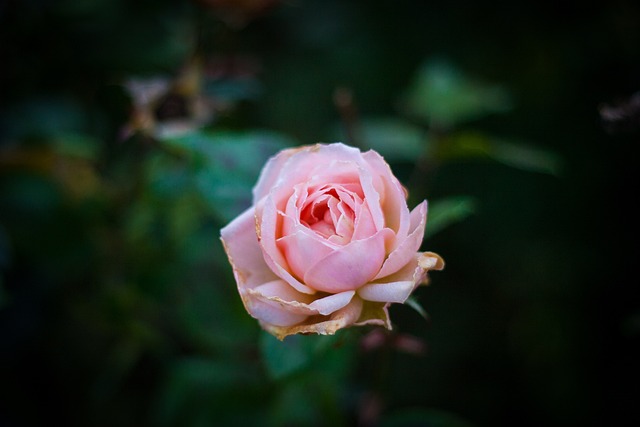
{"x":328,"y":243}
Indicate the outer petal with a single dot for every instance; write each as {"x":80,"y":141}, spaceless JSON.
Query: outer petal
{"x":403,"y":282}
{"x":394,"y":202}
{"x":387,"y":292}
{"x":289,"y":300}
{"x":271,"y":172}
{"x":279,"y":304}
{"x":273,"y":303}
{"x":268,"y":230}
{"x":408,"y":247}
{"x":342,"y":318}
{"x":328,"y":305}
{"x":372,"y":198}
{"x":374,"y":313}
{"x":305,"y":164}
{"x":350,"y":266}
{"x":241,"y":244}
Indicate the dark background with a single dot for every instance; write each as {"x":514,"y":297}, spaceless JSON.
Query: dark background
{"x":117,"y":304}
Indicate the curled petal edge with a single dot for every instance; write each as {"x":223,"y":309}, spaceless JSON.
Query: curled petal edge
{"x":403,"y":253}
{"x":397,"y":291}
{"x":297,"y":302}
{"x":346,"y":316}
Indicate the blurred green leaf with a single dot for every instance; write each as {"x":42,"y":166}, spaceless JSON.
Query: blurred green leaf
{"x":442,"y":95}
{"x":450,"y":210}
{"x":394,"y":139}
{"x":294,"y":353}
{"x":45,"y":117}
{"x":526,"y":157}
{"x":233,"y":90}
{"x":413,"y":303}
{"x":419,"y":417}
{"x":225,"y":164}
{"x":77,"y":145}
{"x":310,"y":399}
{"x":202,"y":391}
{"x":514,"y":154}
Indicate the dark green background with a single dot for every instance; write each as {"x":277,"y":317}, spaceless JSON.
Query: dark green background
{"x":117,"y":304}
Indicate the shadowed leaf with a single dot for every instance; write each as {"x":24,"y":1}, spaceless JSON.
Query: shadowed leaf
{"x":443,"y":213}
{"x":443,"y":95}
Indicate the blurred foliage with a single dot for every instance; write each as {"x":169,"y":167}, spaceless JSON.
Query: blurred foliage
{"x":131,"y":132}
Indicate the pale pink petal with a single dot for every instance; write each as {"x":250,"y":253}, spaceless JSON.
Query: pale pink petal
{"x":268,"y":230}
{"x":306,"y":164}
{"x":271,"y":172}
{"x":280,"y":295}
{"x":350,"y":266}
{"x":407,"y":248}
{"x":271,"y":311}
{"x":303,"y":248}
{"x":372,"y":198}
{"x":328,"y":305}
{"x":340,"y":172}
{"x":283,"y":291}
{"x":398,"y":286}
{"x":245,"y":255}
{"x":328,"y":325}
{"x":387,"y":292}
{"x":364,"y":225}
{"x":394,"y":203}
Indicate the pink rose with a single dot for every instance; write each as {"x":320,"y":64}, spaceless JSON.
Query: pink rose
{"x":328,"y":243}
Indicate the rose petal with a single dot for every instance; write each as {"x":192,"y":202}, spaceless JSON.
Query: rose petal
{"x":342,"y":318}
{"x":280,"y":290}
{"x":268,"y":230}
{"x":328,"y":305}
{"x":241,"y":245}
{"x":387,"y":292}
{"x":372,"y":198}
{"x":271,"y":172}
{"x":374,"y":313}
{"x":407,"y":249}
{"x":303,"y":248}
{"x":280,"y":295}
{"x":394,"y":204}
{"x":398,"y":286}
{"x":306,"y":164}
{"x":273,"y":309}
{"x":350,"y":266}
{"x":342,"y":172}
{"x":364,"y":225}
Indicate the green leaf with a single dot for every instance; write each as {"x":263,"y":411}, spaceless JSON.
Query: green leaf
{"x":225,"y":165}
{"x":294,"y":353}
{"x":395,"y":139}
{"x":77,"y":145}
{"x":45,"y":117}
{"x":413,"y":303}
{"x":526,"y":157}
{"x":443,"y":213}
{"x":233,"y":89}
{"x":515,"y":154}
{"x":444,"y":96}
{"x":206,"y":390}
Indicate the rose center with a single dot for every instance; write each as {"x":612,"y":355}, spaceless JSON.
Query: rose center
{"x":330,"y":212}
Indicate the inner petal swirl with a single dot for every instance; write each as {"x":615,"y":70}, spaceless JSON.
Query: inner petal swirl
{"x":330,"y":211}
